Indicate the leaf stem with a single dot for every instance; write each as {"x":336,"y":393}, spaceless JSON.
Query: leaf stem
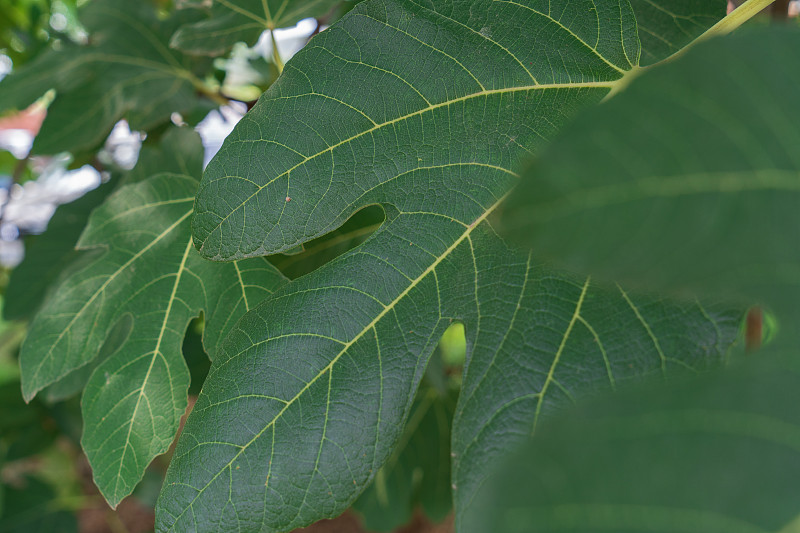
{"x":214,"y":96}
{"x":276,"y":55}
{"x":739,"y":16}
{"x":736,"y":18}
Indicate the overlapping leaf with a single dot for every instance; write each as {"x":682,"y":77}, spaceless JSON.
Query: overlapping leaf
{"x":687,"y":181}
{"x":149,"y":272}
{"x":231,"y":21}
{"x":125,"y":71}
{"x":667,"y":459}
{"x":362,"y":115}
{"x":727,"y":214}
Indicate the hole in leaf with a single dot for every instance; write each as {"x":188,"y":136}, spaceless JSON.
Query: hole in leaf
{"x":447,"y":362}
{"x":196,"y":358}
{"x":306,"y":258}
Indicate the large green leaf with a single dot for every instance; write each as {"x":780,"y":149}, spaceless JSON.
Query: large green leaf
{"x":149,"y":271}
{"x":713,"y":455}
{"x":316,"y":402}
{"x":125,"y":71}
{"x":689,"y":180}
{"x":231,"y":21}
{"x":53,"y":254}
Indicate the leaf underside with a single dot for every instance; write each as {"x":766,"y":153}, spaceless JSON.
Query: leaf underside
{"x":315,"y":382}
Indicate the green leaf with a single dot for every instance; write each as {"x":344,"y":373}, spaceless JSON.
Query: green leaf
{"x":666,"y":26}
{"x":231,"y":21}
{"x":125,"y":71}
{"x":177,"y":151}
{"x":361,"y":116}
{"x":150,"y":272}
{"x":689,"y":180}
{"x":713,"y":455}
{"x":48,"y":255}
{"x":418,"y":471}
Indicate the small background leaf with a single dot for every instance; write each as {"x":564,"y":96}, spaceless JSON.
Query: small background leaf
{"x":125,"y":71}
{"x":30,"y":507}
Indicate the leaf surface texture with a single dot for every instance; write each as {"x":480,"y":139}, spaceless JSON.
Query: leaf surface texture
{"x":315,"y":383}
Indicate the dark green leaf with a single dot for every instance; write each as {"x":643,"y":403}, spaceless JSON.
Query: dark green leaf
{"x":148,"y":271}
{"x":125,"y":71}
{"x":688,"y":180}
{"x":714,"y":455}
{"x":316,"y":382}
{"x":231,"y":21}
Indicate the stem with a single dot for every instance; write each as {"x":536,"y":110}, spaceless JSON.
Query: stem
{"x":276,"y":56}
{"x":739,"y":16}
{"x":211,"y":95}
